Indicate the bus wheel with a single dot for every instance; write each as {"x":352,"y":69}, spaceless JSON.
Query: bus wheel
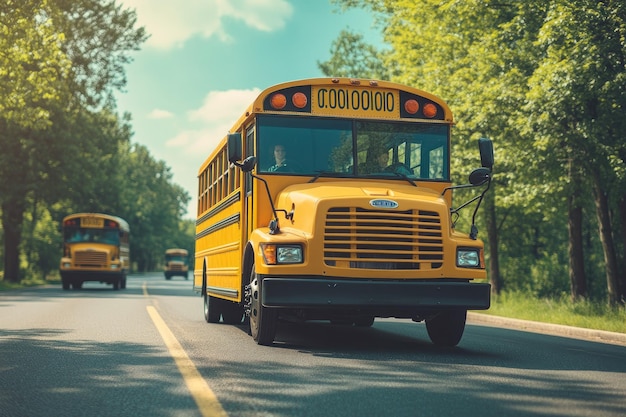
{"x":211,"y":310}
{"x":232,"y":313}
{"x":123,"y":282}
{"x":446,"y":328}
{"x":116,"y":284}
{"x":262,"y":319}
{"x":66,"y":283}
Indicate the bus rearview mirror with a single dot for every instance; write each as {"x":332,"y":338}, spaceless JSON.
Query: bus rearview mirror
{"x":485,"y":146}
{"x":234,"y":147}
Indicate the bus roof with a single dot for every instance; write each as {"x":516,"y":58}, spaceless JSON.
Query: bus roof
{"x":257,"y":105}
{"x":173,"y":251}
{"x":123,"y":223}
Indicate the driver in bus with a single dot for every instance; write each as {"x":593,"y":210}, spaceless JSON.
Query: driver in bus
{"x":281,"y":164}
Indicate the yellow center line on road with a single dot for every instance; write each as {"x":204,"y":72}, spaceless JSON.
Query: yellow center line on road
{"x":206,"y":400}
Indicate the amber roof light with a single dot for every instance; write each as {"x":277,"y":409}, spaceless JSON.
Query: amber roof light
{"x":278,"y":101}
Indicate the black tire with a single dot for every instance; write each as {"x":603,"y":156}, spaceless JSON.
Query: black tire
{"x":341,"y":322}
{"x":262,"y":319}
{"x":364,"y":321}
{"x":211,"y":309}
{"x":232,"y":313}
{"x":446,"y":328}
{"x":123,"y":283}
{"x":66,"y":283}
{"x":116,"y":284}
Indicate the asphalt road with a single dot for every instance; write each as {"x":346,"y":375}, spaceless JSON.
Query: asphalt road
{"x":147,"y":351}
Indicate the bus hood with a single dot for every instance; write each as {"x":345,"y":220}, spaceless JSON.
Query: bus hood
{"x":305,"y":200}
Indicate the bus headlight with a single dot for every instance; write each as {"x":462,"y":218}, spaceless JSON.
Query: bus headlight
{"x":115,"y":266}
{"x":468,"y":258}
{"x":274,"y":254}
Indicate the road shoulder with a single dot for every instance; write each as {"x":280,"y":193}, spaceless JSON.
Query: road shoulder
{"x":548,"y":328}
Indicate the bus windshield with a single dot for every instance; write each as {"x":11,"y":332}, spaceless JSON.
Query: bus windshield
{"x":176,"y":258}
{"x":82,"y":234}
{"x":349,"y":148}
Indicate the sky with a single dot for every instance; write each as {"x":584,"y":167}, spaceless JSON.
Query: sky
{"x":206,"y":60}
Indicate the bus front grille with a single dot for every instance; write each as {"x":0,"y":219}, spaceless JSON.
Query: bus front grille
{"x":176,"y":267}
{"x":90,"y":259}
{"x":383,"y":239}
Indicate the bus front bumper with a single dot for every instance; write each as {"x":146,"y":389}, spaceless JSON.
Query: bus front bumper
{"x":318,"y":293}
{"x":90,"y":275}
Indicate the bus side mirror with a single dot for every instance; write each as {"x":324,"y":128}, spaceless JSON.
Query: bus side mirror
{"x":247,"y":164}
{"x":479,"y":176}
{"x":234,"y":147}
{"x":485,"y":147}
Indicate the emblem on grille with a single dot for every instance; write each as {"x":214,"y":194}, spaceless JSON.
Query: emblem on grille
{"x":382,"y":203}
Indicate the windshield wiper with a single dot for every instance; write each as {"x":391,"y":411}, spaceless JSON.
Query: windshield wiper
{"x":378,"y":175}
{"x":406,"y":177}
{"x":324,"y":174}
{"x":389,"y":174}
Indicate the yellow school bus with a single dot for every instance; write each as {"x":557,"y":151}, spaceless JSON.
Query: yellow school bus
{"x":331,"y":199}
{"x":176,"y":263}
{"x":95,"y":248}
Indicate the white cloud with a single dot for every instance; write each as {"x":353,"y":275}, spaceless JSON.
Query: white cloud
{"x":160,"y":114}
{"x":220,"y":105}
{"x":171,"y":23}
{"x":218,"y":113}
{"x":199,"y":142}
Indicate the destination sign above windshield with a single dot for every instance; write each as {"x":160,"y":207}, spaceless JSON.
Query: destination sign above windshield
{"x":355,"y":102}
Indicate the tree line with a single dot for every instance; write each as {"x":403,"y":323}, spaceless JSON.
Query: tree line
{"x":546,"y":81}
{"x":65,"y":149}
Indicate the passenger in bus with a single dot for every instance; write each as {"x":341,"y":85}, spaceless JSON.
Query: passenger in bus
{"x":377,"y":161}
{"x":383,"y":161}
{"x":281,"y":164}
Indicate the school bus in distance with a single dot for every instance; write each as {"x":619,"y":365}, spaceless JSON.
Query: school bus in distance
{"x":355,"y":223}
{"x":95,"y":248}
{"x":176,"y":263}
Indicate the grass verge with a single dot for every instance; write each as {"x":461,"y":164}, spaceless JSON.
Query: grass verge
{"x":28,"y":282}
{"x":586,"y":314}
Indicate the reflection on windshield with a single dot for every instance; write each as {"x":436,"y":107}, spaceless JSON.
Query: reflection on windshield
{"x":108,"y":236}
{"x":345,"y":148}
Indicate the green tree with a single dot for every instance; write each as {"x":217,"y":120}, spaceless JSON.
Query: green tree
{"x":353,"y":57}
{"x":32,"y":68}
{"x":578,"y":87}
{"x":60,"y":61}
{"x":99,"y":34}
{"x":152,"y":205}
